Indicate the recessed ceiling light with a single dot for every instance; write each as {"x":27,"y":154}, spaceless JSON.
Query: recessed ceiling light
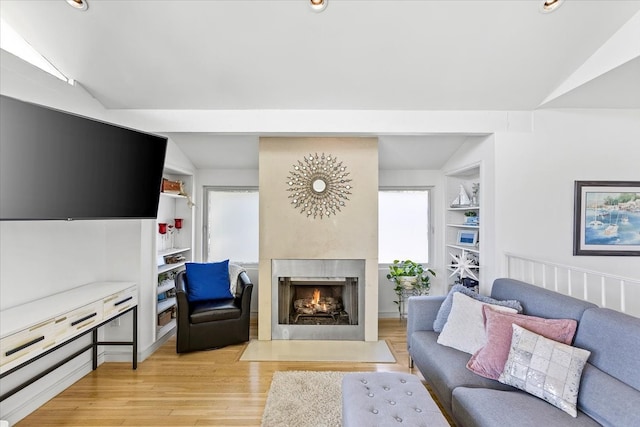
{"x":548,"y":6}
{"x":79,"y":4}
{"x":318,"y":5}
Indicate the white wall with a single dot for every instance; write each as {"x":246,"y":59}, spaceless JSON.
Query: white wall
{"x":40,"y":258}
{"x":528,"y":180}
{"x":535,"y":176}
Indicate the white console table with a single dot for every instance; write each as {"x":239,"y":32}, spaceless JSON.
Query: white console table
{"x":30,"y":331}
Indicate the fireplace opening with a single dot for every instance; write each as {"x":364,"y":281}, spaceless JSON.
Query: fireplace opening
{"x":318,"y":301}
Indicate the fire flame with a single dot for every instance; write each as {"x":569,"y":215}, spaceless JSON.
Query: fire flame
{"x":316,"y":296}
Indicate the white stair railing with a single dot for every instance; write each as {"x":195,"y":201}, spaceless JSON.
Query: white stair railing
{"x":604,"y":289}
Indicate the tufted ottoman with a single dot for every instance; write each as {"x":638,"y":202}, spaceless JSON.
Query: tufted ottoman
{"x":381,"y":399}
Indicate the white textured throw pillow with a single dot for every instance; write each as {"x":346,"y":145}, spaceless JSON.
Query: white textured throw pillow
{"x":545,"y":368}
{"x":464,"y":329}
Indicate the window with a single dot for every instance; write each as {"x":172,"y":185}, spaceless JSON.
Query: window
{"x":403,"y":225}
{"x":231,"y":224}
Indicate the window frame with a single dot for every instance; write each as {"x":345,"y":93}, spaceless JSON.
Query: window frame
{"x":431,"y":231}
{"x":205,"y":214}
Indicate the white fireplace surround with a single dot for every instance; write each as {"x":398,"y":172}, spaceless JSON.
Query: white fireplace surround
{"x":318,"y":269}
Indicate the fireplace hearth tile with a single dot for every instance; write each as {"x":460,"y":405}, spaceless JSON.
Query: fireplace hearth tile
{"x":317,"y":351}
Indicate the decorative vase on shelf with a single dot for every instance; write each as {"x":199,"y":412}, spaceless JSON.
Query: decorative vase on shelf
{"x":162,"y":229}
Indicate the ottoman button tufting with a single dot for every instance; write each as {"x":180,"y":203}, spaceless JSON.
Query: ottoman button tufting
{"x":370,"y":399}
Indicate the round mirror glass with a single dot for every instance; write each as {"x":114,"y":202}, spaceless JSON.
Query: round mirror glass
{"x":318,"y":185}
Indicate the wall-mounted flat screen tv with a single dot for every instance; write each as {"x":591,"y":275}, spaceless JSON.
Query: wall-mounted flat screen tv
{"x":56,"y":165}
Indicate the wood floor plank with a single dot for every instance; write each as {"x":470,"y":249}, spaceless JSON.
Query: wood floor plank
{"x":207,"y":388}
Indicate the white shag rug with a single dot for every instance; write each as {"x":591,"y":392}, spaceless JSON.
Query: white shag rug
{"x":304,"y":398}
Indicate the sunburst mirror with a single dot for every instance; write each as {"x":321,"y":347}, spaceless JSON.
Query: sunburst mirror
{"x":319,"y":185}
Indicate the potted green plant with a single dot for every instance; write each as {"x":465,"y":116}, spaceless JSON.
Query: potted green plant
{"x":409,"y":275}
{"x":471,"y":217}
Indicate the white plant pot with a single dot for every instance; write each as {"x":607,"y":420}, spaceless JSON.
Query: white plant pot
{"x":407,"y":282}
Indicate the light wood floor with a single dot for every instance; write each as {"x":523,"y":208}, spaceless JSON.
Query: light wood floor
{"x":207,"y":388}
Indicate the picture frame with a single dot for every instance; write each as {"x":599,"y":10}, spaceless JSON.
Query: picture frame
{"x":606,"y":218}
{"x":467,"y":238}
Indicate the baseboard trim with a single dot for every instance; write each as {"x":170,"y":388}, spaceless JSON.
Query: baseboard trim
{"x":32,"y":401}
{"x":31,"y":398}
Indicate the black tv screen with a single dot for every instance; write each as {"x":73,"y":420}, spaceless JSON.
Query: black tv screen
{"x":56,"y":165}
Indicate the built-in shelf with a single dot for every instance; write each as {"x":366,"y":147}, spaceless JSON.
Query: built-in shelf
{"x":166,"y":287}
{"x":456,"y":227}
{"x":168,"y":267}
{"x":171,"y":207}
{"x":172,"y":251}
{"x":165,"y":304}
{"x":466,"y":248}
{"x":175,"y":196}
{"x":165,"y":329}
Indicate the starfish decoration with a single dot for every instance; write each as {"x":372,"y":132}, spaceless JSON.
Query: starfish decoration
{"x":463,"y":265}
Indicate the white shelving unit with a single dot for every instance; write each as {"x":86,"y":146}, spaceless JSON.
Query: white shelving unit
{"x":173,"y":249}
{"x":455,"y":223}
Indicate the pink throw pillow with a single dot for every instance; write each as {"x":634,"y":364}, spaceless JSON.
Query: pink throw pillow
{"x":489,"y":361}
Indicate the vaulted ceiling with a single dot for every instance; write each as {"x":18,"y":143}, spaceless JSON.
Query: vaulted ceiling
{"x":356,"y":55}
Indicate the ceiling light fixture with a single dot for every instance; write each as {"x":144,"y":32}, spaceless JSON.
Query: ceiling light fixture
{"x":318,"y":5}
{"x":81,"y":5}
{"x":549,"y":6}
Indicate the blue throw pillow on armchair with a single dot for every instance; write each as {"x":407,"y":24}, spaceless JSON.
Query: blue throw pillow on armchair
{"x":207,"y":281}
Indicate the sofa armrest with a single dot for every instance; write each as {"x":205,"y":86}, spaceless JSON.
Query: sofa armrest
{"x":421,"y":313}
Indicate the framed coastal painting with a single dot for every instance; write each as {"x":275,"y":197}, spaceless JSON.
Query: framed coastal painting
{"x":607,"y":218}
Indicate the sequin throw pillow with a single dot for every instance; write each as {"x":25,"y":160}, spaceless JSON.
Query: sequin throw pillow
{"x":545,"y":368}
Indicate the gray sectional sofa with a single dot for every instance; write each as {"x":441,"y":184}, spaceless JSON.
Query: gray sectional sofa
{"x":609,"y":393}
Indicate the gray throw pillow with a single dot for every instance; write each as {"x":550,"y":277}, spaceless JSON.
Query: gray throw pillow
{"x":445,"y":308}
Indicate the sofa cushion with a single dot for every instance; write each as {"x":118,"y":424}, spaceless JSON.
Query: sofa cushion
{"x":545,"y":368}
{"x":445,"y":307}
{"x":608,"y":400}
{"x":208,"y":281}
{"x":474,"y":407}
{"x":537,"y":301}
{"x":489,"y":360}
{"x":464,"y":329}
{"x":444,"y":367}
{"x":601,"y":331}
